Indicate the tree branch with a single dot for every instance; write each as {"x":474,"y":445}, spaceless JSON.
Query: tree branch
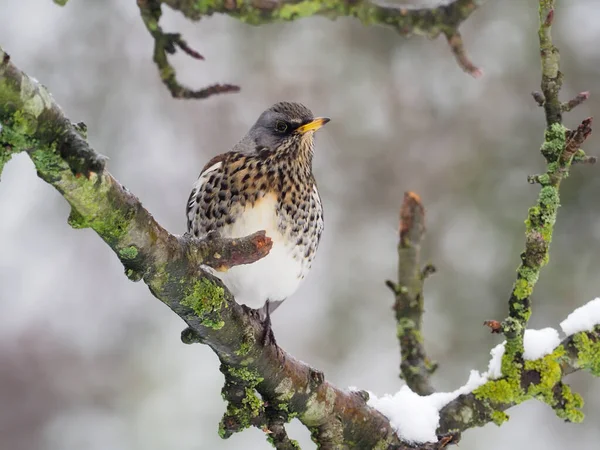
{"x":167,"y":43}
{"x":558,"y":149}
{"x":429,"y":22}
{"x":415,"y":367}
{"x":170,"y":266}
{"x":541,"y":379}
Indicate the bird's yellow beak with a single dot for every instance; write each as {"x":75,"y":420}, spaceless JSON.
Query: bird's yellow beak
{"x":313,"y":125}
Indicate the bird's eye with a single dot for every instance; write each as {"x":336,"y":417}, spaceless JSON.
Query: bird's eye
{"x":280,"y":126}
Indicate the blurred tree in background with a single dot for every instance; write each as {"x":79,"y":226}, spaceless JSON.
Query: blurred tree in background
{"x":88,"y":361}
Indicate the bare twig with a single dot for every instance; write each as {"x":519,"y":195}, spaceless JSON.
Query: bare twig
{"x":458,"y":49}
{"x":415,"y":367}
{"x":574,"y":102}
{"x":551,"y":75}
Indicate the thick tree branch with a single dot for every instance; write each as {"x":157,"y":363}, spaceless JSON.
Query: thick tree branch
{"x":415,"y":367}
{"x":170,"y":265}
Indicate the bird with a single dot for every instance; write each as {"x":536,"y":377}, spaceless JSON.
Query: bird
{"x":265,"y":182}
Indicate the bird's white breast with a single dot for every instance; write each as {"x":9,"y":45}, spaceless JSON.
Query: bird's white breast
{"x":277,"y":275}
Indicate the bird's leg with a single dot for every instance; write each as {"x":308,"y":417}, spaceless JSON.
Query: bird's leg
{"x":268,"y":337}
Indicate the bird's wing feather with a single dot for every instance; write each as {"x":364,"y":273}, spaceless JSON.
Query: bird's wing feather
{"x":213,"y":166}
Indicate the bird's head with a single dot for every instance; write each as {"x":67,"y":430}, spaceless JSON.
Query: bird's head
{"x":286,"y":130}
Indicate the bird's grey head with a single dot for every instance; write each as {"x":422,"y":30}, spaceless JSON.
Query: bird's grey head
{"x":285,"y":128}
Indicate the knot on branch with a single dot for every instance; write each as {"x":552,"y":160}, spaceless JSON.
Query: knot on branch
{"x":74,"y":149}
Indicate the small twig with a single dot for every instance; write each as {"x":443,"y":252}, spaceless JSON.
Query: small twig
{"x":578,"y":100}
{"x":167,"y":43}
{"x":551,"y":75}
{"x":581,"y":158}
{"x":415,"y":367}
{"x":458,"y":49}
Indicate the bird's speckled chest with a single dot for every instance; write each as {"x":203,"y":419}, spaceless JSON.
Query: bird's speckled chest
{"x":242,"y":195}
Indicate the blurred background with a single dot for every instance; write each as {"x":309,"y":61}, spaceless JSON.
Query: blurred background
{"x":89,"y":360}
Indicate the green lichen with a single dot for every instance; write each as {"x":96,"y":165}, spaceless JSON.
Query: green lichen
{"x":570,"y":406}
{"x":24,"y":123}
{"x":244,"y":349}
{"x":243,"y":415}
{"x":291,"y":11}
{"x":588,"y":353}
{"x":221,"y":431}
{"x":503,"y":391}
{"x":550,"y":374}
{"x":128,"y":253}
{"x":76,"y":220}
{"x":554,"y":142}
{"x":549,"y":197}
{"x":317,"y":407}
{"x":544,"y":377}
{"x":12,"y":141}
{"x":499,"y":417}
{"x":405,"y":326}
{"x":241,"y":412}
{"x":206,"y":299}
{"x":250,"y":376}
{"x":543,"y":179}
{"x":251,"y":402}
{"x":522,"y":289}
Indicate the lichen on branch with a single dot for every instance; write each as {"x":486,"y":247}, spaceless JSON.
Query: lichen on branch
{"x":430,"y":22}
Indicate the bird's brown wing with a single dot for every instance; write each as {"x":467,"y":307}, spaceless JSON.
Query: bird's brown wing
{"x":213,"y":161}
{"x":191,"y":203}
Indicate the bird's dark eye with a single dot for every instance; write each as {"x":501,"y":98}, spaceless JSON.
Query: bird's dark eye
{"x":280,"y":126}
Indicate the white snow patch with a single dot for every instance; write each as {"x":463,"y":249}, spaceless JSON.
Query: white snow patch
{"x":584,"y":318}
{"x":495,"y":365}
{"x":539,"y":343}
{"x":415,"y":418}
